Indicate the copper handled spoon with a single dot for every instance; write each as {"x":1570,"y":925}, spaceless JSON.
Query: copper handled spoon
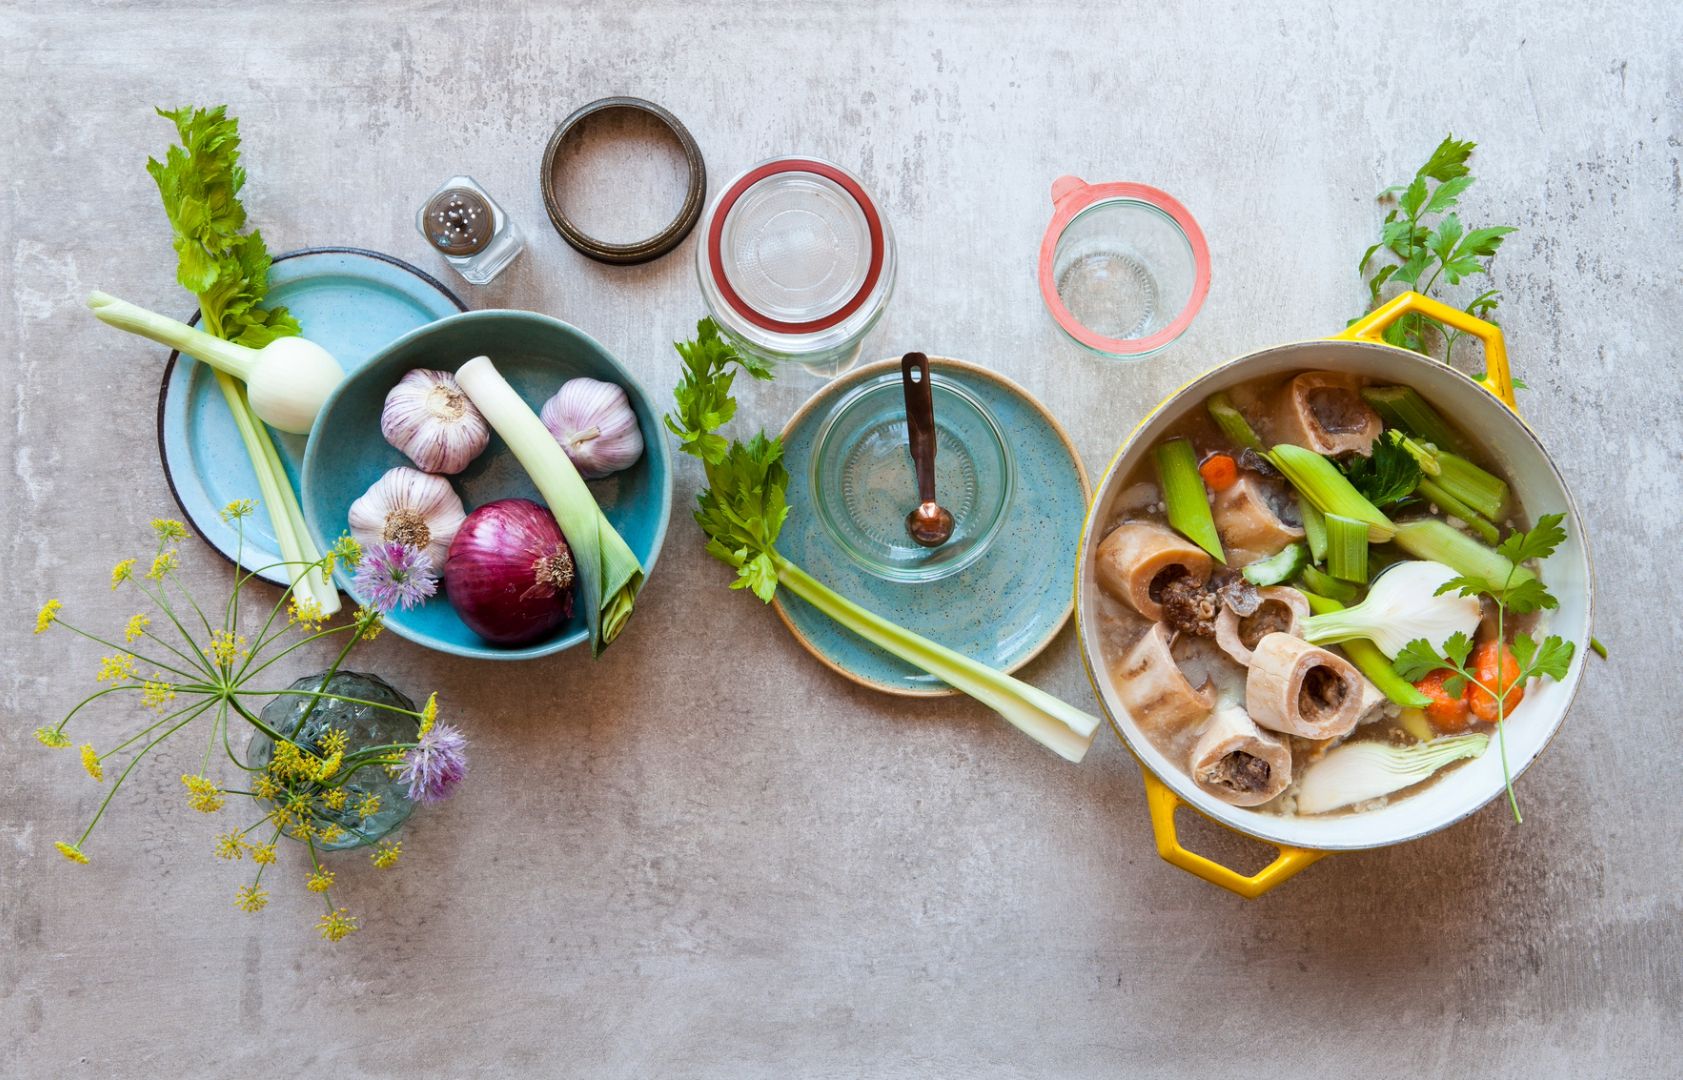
{"x":929,"y":525}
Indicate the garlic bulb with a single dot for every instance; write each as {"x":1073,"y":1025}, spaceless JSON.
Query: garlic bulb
{"x":430,"y":420}
{"x":594,"y":423}
{"x":411,"y":508}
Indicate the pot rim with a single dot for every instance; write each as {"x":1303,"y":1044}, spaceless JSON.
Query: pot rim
{"x":1178,"y":783}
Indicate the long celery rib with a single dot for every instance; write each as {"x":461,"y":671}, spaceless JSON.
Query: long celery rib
{"x":1056,"y":725}
{"x":296,"y":547}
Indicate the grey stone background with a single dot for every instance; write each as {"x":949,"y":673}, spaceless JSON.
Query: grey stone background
{"x":706,"y":855}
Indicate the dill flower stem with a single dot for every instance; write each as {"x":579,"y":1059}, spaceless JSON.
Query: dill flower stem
{"x":93,"y":696}
{"x":123,"y":649}
{"x":154,"y":637}
{"x":216,"y":725}
{"x":124,"y":775}
{"x":300,"y":643}
{"x":169,"y":579}
{"x":200,"y":705}
{"x":263,"y":637}
{"x":162,"y":601}
{"x":326,"y":679}
{"x":336,"y":697}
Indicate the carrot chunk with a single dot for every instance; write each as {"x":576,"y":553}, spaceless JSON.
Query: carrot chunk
{"x":1219,"y":471}
{"x":1481,"y":695}
{"x":1447,"y":712}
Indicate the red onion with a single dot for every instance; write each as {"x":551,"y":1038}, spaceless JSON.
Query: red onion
{"x":510,"y":573}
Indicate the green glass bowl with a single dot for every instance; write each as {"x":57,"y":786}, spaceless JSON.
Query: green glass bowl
{"x":346,"y":453}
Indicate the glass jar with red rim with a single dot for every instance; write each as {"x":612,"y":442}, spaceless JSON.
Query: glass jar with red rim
{"x":796,"y":262}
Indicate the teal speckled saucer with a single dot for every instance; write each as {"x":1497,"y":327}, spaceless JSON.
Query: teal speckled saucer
{"x":1001,"y":610}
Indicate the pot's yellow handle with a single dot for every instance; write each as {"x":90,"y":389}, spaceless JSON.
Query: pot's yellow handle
{"x":1496,"y":377}
{"x":1163,"y":802}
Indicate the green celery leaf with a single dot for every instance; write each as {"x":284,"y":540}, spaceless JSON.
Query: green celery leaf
{"x":1456,"y":685}
{"x":1526,"y":596}
{"x":1448,"y":161}
{"x":1414,"y":197}
{"x":1443,"y":239}
{"x":1387,"y":474}
{"x":1457,"y":648}
{"x":1462,"y":585}
{"x":1482,"y":242}
{"x":1553,"y":658}
{"x":1417,"y":659}
{"x":1448,"y":194}
{"x":1538,"y":542}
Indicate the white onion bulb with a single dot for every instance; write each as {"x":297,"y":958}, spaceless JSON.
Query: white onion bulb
{"x":595,"y":424}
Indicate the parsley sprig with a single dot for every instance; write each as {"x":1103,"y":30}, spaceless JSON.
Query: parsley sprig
{"x":1517,"y":595}
{"x":1388,"y":474}
{"x":1416,"y":252}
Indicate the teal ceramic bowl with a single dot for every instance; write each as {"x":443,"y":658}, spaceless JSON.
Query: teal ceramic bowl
{"x":346,"y":453}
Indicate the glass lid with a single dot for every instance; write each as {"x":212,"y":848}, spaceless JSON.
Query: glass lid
{"x":795,"y":245}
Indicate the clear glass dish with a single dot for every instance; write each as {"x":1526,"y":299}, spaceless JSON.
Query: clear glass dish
{"x":1123,"y":267}
{"x":863,"y":482}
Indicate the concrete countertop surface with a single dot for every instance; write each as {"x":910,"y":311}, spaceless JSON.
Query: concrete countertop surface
{"x":707,"y":855}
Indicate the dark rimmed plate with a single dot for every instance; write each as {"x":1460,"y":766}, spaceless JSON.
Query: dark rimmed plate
{"x":350,"y":301}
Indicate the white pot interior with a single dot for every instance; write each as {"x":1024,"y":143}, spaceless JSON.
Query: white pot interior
{"x":1535,"y":483}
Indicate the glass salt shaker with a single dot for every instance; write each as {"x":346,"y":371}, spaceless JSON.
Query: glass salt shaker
{"x":465,"y":225}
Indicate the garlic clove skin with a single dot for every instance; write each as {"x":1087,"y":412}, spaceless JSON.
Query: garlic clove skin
{"x":596,"y":426}
{"x":429,"y":419}
{"x":407,"y":506}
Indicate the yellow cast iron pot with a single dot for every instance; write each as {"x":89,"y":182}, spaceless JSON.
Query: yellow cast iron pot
{"x":1484,"y":409}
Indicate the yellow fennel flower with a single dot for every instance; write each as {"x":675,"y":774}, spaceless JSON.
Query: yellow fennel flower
{"x":334,"y":799}
{"x":320,"y":881}
{"x":116,"y":669}
{"x":90,"y":762}
{"x":52,"y":738}
{"x":302,"y":830}
{"x":202,"y":794}
{"x":337,"y":924}
{"x":251,"y":898}
{"x":121,"y":573}
{"x":230,"y":846}
{"x":331,"y":833}
{"x":368,"y":806}
{"x":136,"y":627}
{"x":346,"y":550}
{"x":385,"y":857}
{"x":155,"y":693}
{"x":225,"y":647}
{"x":429,"y":714}
{"x":327,"y":766}
{"x":335,"y":741}
{"x":239,"y":508}
{"x":162,"y":564}
{"x":70,"y":851}
{"x":304,"y":613}
{"x":264,"y":786}
{"x":47,"y":615}
{"x":168,"y":529}
{"x":263,"y":854}
{"x":369,"y":623}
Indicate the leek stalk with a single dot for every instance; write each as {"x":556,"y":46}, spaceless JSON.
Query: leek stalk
{"x":609,"y":571}
{"x":1056,"y":725}
{"x":1232,"y":422}
{"x":1347,"y":548}
{"x":1481,"y":490}
{"x":1370,"y":661}
{"x":1323,"y":485}
{"x":1185,"y":501}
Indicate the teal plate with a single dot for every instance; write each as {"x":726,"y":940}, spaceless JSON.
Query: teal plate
{"x":1003,"y":609}
{"x":350,"y":301}
{"x":536,"y":354}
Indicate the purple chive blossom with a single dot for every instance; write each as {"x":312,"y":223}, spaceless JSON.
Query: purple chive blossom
{"x":436,"y":765}
{"x":395,"y":575}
